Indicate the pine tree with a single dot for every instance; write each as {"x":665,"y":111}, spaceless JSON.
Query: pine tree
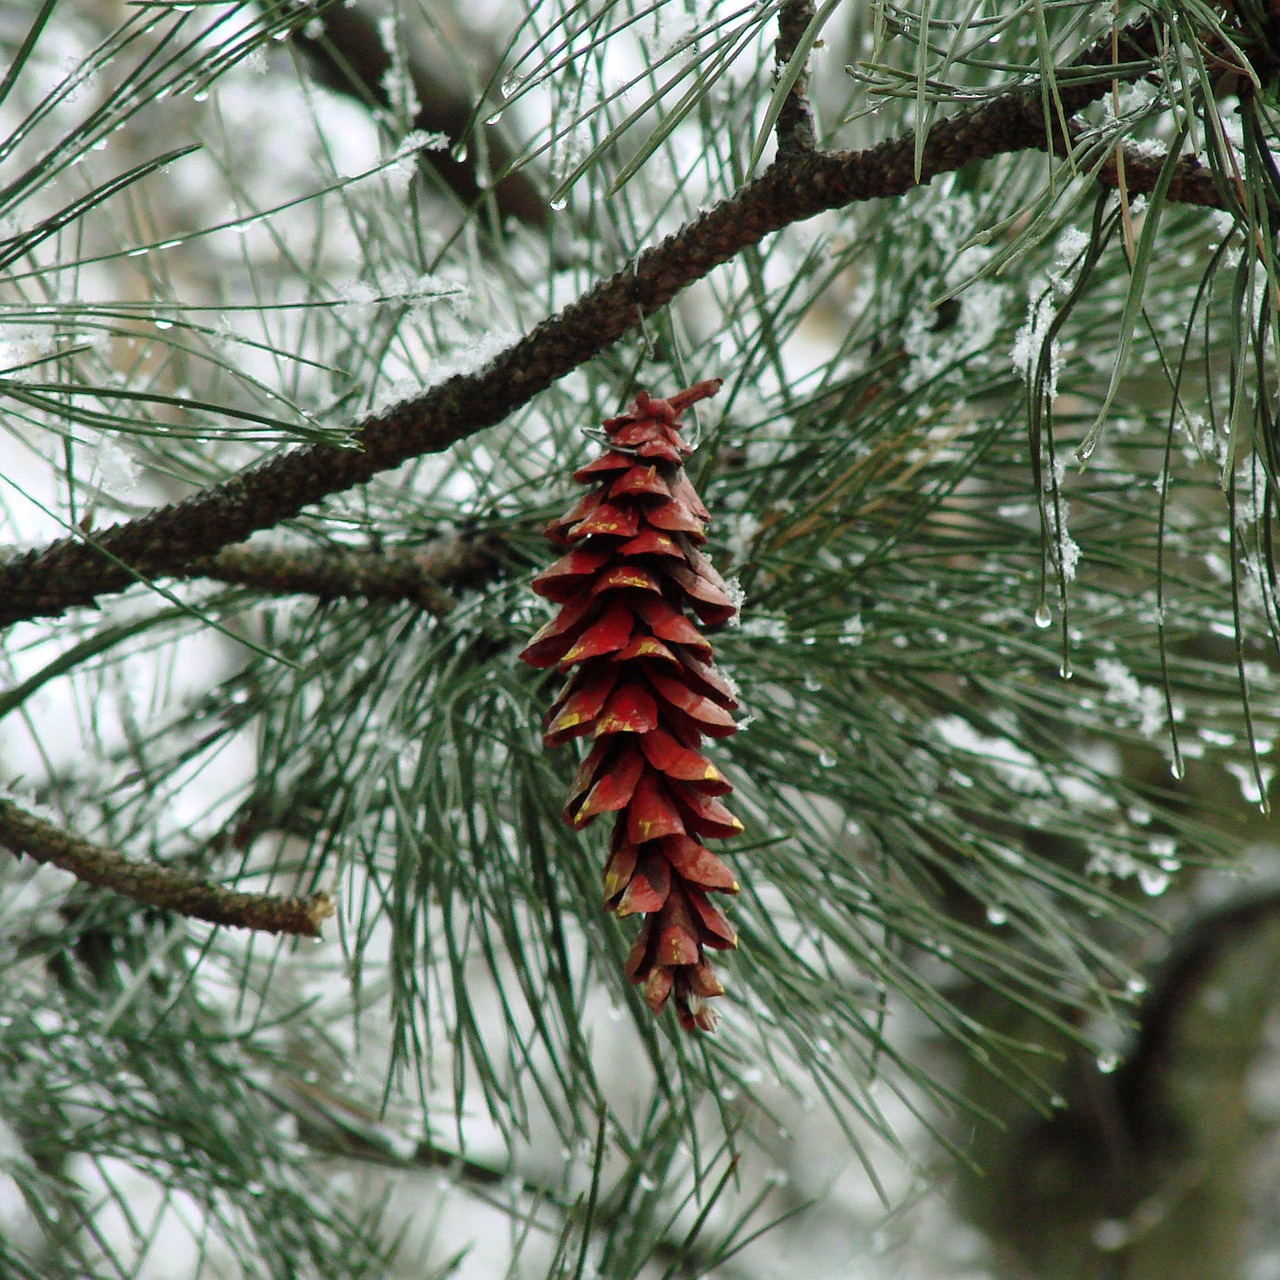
{"x":312,"y":313}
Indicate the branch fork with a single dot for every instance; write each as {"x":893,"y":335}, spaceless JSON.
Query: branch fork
{"x":195,"y":537}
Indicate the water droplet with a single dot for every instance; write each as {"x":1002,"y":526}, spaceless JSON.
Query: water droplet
{"x":811,"y":682}
{"x":164,"y":324}
{"x":1108,"y":1062}
{"x":461,"y":151}
{"x":827,"y":759}
{"x":1044,"y":615}
{"x":997,"y":915}
{"x":510,"y":83}
{"x":1065,"y":670}
{"x":1111,"y":1235}
{"x":1178,"y":767}
{"x":1085,"y":451}
{"x":1136,"y":986}
{"x":201,"y":96}
{"x":1153,"y":880}
{"x":559,"y":201}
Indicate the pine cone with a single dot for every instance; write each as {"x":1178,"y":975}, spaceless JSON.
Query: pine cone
{"x":642,"y":686}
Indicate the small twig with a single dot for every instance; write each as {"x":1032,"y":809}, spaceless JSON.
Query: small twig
{"x":157,"y":886}
{"x":420,"y":577}
{"x":796,"y":130}
{"x":1126,"y":213}
{"x":78,"y":570}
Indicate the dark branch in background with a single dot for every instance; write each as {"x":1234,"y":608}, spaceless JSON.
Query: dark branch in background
{"x":419,"y":577}
{"x":24,"y":833}
{"x":1179,"y":983}
{"x":347,"y":54}
{"x":796,"y":131}
{"x":77,"y":570}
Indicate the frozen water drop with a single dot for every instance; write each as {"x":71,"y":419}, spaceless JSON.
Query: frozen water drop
{"x":1178,"y":767}
{"x":827,"y":759}
{"x":997,"y":915}
{"x":1044,"y":615}
{"x":559,"y":201}
{"x":164,"y":324}
{"x":1065,"y":670}
{"x":1108,"y":1062}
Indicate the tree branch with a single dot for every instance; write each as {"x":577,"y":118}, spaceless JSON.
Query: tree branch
{"x":1192,"y":183}
{"x":22,"y":832}
{"x":795,"y":130}
{"x":419,"y":577}
{"x":78,"y":570}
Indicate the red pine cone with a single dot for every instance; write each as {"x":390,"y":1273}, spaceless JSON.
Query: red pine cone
{"x":642,"y":686}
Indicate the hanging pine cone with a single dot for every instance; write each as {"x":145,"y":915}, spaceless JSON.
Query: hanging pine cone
{"x":642,"y":687}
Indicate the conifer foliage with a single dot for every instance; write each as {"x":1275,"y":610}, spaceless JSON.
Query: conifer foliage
{"x":643,"y":689}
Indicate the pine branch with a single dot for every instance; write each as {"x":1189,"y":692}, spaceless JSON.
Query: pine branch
{"x":78,"y":570}
{"x":1139,"y":170}
{"x":24,"y":833}
{"x":796,"y":131}
{"x":419,"y":577}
